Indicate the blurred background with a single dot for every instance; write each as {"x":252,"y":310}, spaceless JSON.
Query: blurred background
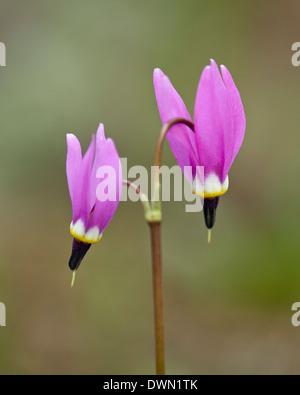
{"x":73,"y":64}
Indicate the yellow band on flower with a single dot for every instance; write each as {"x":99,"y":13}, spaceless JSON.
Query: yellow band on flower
{"x":92,"y":236}
{"x":212,"y":187}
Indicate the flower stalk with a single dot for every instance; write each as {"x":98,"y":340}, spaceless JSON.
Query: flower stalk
{"x":155,"y":228}
{"x":153,"y":216}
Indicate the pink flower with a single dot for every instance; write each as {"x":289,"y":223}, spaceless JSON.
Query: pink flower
{"x":220,"y":123}
{"x":91,"y":211}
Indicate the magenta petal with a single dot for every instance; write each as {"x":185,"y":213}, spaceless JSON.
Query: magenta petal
{"x":212,"y":121}
{"x":84,"y":188}
{"x":99,"y":148}
{"x":74,"y":159}
{"x":236,"y":136}
{"x":106,"y":158}
{"x":170,"y":105}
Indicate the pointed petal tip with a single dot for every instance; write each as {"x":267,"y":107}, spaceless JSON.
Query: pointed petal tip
{"x":214,"y":66}
{"x":158,"y":75}
{"x":206,"y":73}
{"x":157,"y":70}
{"x":224,"y":70}
{"x":111,"y":144}
{"x":70,"y":137}
{"x":100,"y":128}
{"x":101,"y":132}
{"x":73,"y":146}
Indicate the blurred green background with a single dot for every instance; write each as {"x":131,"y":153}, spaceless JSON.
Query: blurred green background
{"x":73,"y":64}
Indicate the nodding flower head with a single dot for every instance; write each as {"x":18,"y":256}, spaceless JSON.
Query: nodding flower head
{"x":219,"y":128}
{"x":93,"y":204}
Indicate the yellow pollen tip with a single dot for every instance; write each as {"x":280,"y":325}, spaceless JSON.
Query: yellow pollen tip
{"x":73,"y":278}
{"x":209,"y":236}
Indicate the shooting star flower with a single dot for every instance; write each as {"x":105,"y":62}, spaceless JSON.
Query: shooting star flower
{"x":219,"y":128}
{"x":95,"y":186}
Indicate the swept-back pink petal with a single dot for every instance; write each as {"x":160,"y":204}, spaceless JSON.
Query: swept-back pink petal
{"x":74,"y":159}
{"x":212,"y":121}
{"x":84,"y":189}
{"x":171,"y":105}
{"x":107,"y":158}
{"x":99,"y":148}
{"x":236,"y":136}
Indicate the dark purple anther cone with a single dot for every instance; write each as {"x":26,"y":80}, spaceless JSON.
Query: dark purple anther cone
{"x":210,"y":209}
{"x":79,"y":250}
